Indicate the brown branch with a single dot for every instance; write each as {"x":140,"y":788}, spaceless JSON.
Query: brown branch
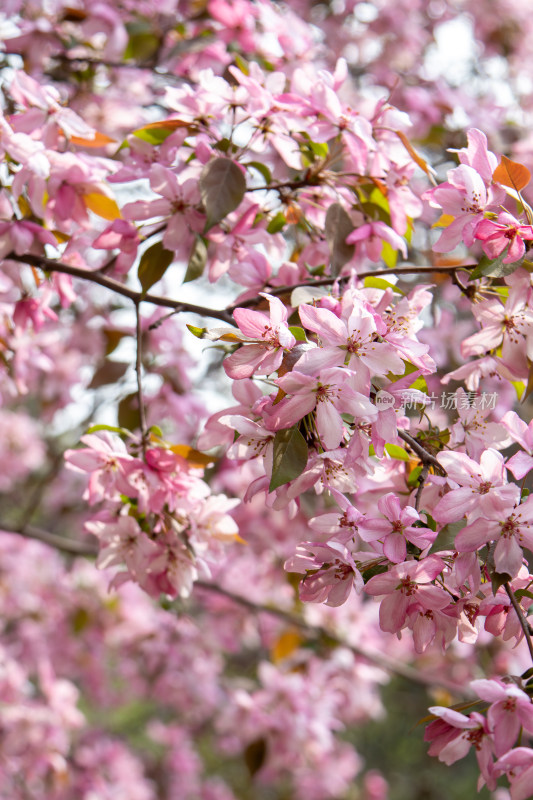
{"x":422,"y":478}
{"x":319,"y":632}
{"x":95,"y":276}
{"x":138,"y":372}
{"x":426,"y":458}
{"x":69,"y":546}
{"x":524,"y":624}
{"x":407,"y":270}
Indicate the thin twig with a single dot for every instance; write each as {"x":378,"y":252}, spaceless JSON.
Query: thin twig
{"x":406,"y":270}
{"x":524,"y":624}
{"x":426,"y":458}
{"x":319,"y":632}
{"x":58,"y":542}
{"x":138,"y":371}
{"x":422,"y":478}
{"x":50,"y":265}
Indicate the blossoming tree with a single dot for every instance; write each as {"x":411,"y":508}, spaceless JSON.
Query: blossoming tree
{"x":266,"y":353}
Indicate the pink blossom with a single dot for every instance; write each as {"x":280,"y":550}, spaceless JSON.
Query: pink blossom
{"x":266,"y":341}
{"x":370,"y":238}
{"x":330,"y":392}
{"x":510,"y":710}
{"x":395,"y":529}
{"x":507,"y":232}
{"x":474,"y":485}
{"x":506,"y":525}
{"x":332,"y":572}
{"x":405,"y":585}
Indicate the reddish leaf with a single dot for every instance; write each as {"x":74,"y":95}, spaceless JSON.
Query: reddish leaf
{"x":222,"y":186}
{"x":99,"y":140}
{"x":511,"y":173}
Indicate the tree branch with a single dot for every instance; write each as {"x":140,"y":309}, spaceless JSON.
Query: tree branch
{"x":319,"y":632}
{"x":426,"y":458}
{"x":50,"y":265}
{"x":524,"y":624}
{"x":69,"y":546}
{"x":138,"y":372}
{"x":407,"y":270}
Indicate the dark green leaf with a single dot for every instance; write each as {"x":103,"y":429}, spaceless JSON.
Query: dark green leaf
{"x":446,"y":537}
{"x":499,"y":579}
{"x":153,"y":264}
{"x":197,"y":260}
{"x":262,"y":168}
{"x":338,"y":226}
{"x":495,"y":268}
{"x":290,"y":457}
{"x":222,"y":187}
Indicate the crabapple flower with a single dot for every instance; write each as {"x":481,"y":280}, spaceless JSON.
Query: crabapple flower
{"x":371,"y":236}
{"x":510,"y":326}
{"x":395,"y":529}
{"x":451,"y":736}
{"x":108,"y":461}
{"x":331,"y":572}
{"x":473,"y":430}
{"x":474,"y":485}
{"x":405,"y":585}
{"x":517,"y":764}
{"x":510,"y":709}
{"x":330,"y":392}
{"x":506,"y":232}
{"x":464,"y":197}
{"x":511,"y":527}
{"x":522,"y":462}
{"x":349,"y":341}
{"x":265,"y":340}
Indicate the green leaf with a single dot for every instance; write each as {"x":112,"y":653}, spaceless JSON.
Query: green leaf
{"x":222,"y":188}
{"x":197,"y":260}
{"x":414,"y":475}
{"x":290,"y":457}
{"x":381,"y":283}
{"x":153,"y":264}
{"x":141,"y":46}
{"x":495,"y":268}
{"x":389,"y":254}
{"x":446,"y":537}
{"x":262,"y":168}
{"x":298,"y":333}
{"x":337,"y":227}
{"x":397,"y":452}
{"x":198,"y":332}
{"x":111,"y":428}
{"x":277,"y":223}
{"x":320,"y":149}
{"x":156,"y":132}
{"x":242,"y":64}
{"x":498,"y":579}
{"x":520,"y":593}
